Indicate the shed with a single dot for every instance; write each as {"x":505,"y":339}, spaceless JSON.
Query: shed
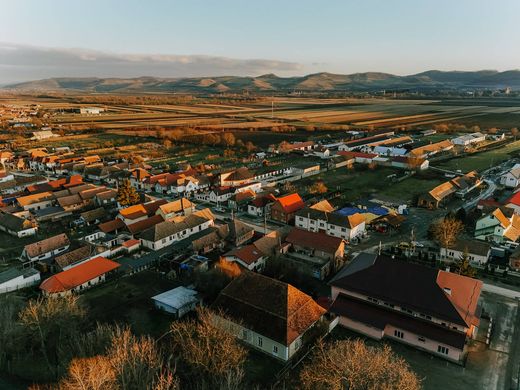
{"x":177,"y":301}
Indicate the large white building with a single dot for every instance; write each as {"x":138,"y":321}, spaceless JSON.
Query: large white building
{"x":469,"y":139}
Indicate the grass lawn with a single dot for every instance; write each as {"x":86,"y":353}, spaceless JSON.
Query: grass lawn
{"x":127,"y":300}
{"x":482,"y":161}
{"x":410,"y":187}
{"x":354,"y":184}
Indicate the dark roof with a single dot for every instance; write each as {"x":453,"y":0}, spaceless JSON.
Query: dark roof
{"x":269,"y":307}
{"x":111,"y":226}
{"x":93,"y":215}
{"x":320,"y":241}
{"x":12,"y":273}
{"x":11,"y":222}
{"x":413,"y":286}
{"x":479,"y":248}
{"x":378,"y":317}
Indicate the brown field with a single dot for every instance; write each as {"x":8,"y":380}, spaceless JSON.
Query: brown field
{"x":257,"y":114}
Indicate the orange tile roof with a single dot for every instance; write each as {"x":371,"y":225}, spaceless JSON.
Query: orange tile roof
{"x":291,"y":203}
{"x":131,"y":243}
{"x":76,"y":276}
{"x":464,"y":294}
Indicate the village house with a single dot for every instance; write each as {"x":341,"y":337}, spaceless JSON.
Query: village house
{"x":167,"y":233}
{"x":261,"y":205}
{"x":286,"y":147}
{"x":175,"y":208}
{"x":429,"y":309}
{"x":14,"y":279}
{"x":315,"y":254}
{"x":214,"y":239}
{"x":514,"y":202}
{"x":239,"y":232}
{"x":253,"y":256}
{"x":459,"y":186}
{"x":268,"y":315}
{"x":347,"y":227}
{"x":106,"y":197}
{"x":79,"y":278}
{"x":503,"y":224}
{"x":478,"y":252}
{"x":36,"y":201}
{"x":240,"y":200}
{"x":17,"y":226}
{"x":77,"y":256}
{"x":236,"y":177}
{"x":141,"y":211}
{"x":285,"y":207}
{"x":46,"y":249}
{"x":511,"y":179}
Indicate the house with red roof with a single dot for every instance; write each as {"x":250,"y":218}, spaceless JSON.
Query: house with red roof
{"x":285,"y":207}
{"x":514,"y":202}
{"x":79,"y":278}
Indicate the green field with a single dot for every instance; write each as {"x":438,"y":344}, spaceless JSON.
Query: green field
{"x":482,"y":161}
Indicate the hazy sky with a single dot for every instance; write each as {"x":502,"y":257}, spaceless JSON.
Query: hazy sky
{"x":45,"y":38}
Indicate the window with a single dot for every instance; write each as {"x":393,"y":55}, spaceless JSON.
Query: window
{"x":399,"y":334}
{"x":275,"y":349}
{"x":343,"y":229}
{"x":422,"y":339}
{"x":443,"y":350}
{"x":260,"y":341}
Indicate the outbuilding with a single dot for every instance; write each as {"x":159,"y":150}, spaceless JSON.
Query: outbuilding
{"x":177,"y":301}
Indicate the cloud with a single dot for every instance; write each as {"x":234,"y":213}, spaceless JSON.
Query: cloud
{"x":23,"y":63}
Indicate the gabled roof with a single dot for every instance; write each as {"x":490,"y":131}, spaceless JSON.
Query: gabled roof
{"x":269,"y":307}
{"x":93,"y":215}
{"x":35,"y":198}
{"x":319,"y":241}
{"x":13,"y":223}
{"x":413,"y":286}
{"x":76,"y":276}
{"x":47,"y":245}
{"x":480,"y":248}
{"x":176,"y":206}
{"x":515,"y":199}
{"x":74,"y":256}
{"x":144,"y":224}
{"x":290,"y":203}
{"x":111,"y":226}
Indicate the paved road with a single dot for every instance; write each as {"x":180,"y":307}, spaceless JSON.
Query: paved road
{"x":502,"y":291}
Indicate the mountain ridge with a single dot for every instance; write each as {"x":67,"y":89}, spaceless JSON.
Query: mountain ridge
{"x":322,"y":81}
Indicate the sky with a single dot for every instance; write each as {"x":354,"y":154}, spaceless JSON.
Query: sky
{"x":192,"y":38}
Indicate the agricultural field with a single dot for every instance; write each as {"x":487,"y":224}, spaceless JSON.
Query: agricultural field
{"x":483,"y":160}
{"x":267,"y":113}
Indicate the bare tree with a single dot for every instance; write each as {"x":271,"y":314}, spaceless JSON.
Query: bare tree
{"x":210,"y":353}
{"x":94,"y":373}
{"x":51,"y":323}
{"x":351,"y":364}
{"x":446,"y":230}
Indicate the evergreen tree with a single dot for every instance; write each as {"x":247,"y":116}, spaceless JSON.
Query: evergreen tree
{"x":127,"y":195}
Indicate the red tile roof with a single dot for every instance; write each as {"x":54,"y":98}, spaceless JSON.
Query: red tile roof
{"x":76,"y":276}
{"x":357,"y":154}
{"x":515,"y":199}
{"x":111,"y":226}
{"x":320,"y":241}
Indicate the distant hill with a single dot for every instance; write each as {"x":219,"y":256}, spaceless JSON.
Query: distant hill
{"x":369,"y":81}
